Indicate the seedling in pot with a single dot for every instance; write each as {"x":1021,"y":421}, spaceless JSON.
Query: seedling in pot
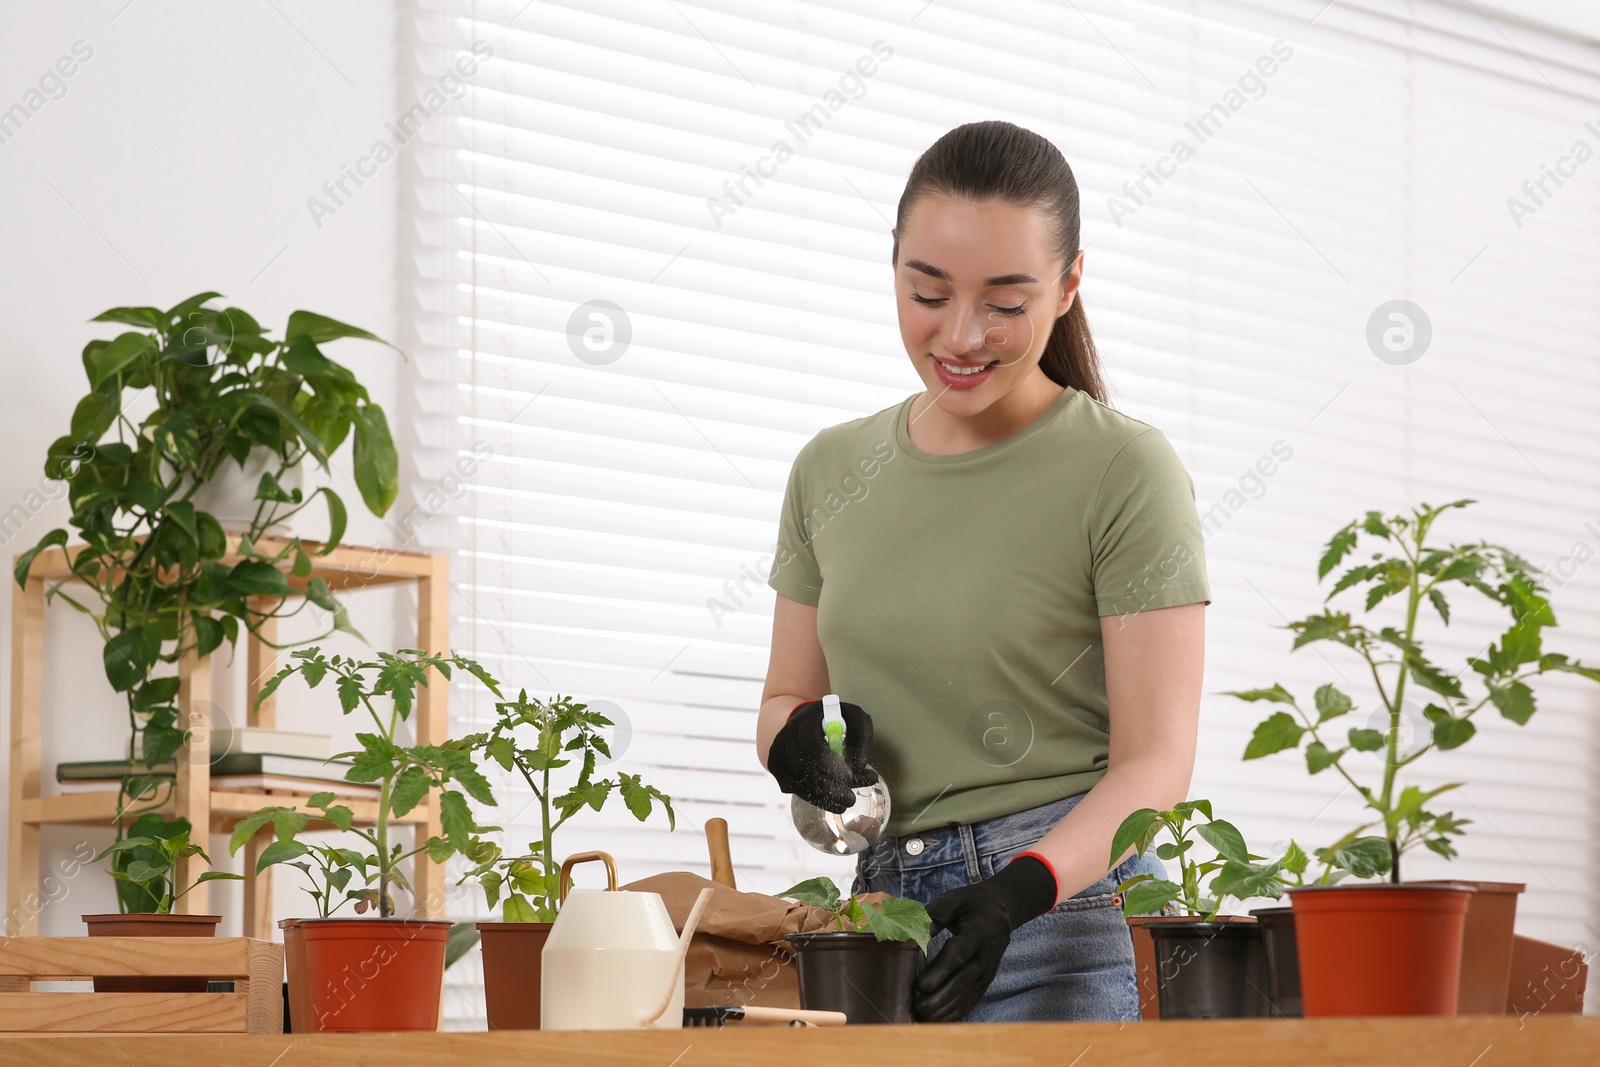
{"x":151,"y":863}
{"x":1409,"y":566}
{"x":1234,"y":869}
{"x":328,"y":867}
{"x":895,"y":919}
{"x":405,"y":775}
{"x":562,"y":731}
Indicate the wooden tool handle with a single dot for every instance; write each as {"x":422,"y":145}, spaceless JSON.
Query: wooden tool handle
{"x":721,"y":858}
{"x":788,"y":1015}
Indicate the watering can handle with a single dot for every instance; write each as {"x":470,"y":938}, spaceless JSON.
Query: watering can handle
{"x":584,"y":857}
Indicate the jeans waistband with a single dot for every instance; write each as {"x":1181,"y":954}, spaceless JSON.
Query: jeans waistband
{"x":950,"y":843}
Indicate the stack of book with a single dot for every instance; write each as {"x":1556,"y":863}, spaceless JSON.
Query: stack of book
{"x":248,"y":758}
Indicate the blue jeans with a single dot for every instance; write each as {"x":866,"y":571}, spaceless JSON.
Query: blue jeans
{"x":1073,"y":963}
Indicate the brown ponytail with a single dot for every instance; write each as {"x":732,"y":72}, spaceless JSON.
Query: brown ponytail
{"x":998,"y":160}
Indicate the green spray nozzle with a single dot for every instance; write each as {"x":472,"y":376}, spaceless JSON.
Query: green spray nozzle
{"x":833,"y":723}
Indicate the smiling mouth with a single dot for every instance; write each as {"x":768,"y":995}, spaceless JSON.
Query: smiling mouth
{"x":964,"y":370}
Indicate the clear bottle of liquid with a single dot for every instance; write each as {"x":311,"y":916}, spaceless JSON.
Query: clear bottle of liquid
{"x":852,"y":830}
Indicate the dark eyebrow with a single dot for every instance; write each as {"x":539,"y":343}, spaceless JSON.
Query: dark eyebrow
{"x":1002,"y":279}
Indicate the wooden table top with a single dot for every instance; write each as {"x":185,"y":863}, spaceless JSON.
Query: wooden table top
{"x":1469,"y":1041}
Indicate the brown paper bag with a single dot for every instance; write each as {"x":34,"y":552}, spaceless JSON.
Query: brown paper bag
{"x":738,"y":955}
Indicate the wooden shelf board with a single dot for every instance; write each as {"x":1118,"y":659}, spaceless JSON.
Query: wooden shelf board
{"x":346,"y":567}
{"x":227,"y":807}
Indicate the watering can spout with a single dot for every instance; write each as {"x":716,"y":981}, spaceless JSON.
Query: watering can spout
{"x":684,"y":939}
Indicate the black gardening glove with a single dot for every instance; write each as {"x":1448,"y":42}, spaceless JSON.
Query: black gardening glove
{"x":804,"y":765}
{"x":980,"y":918}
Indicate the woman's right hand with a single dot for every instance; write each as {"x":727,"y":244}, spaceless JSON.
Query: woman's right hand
{"x":806,"y":767}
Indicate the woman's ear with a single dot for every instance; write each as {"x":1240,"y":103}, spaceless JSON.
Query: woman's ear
{"x":1071,"y":278}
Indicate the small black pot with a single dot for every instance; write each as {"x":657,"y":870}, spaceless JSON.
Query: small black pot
{"x":1283,"y":959}
{"x":1209,"y":970}
{"x":853,"y":972}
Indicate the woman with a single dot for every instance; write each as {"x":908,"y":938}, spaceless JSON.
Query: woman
{"x":1003,"y":579}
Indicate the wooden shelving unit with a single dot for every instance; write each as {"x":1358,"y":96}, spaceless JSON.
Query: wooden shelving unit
{"x":196,"y":797}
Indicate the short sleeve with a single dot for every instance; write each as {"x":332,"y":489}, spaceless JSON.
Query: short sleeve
{"x":795,"y":572}
{"x":1147,"y":546}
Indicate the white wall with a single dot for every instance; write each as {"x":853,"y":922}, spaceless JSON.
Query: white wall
{"x":180,"y":159}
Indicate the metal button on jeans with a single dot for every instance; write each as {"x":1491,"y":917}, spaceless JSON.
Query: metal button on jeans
{"x":914,"y":847}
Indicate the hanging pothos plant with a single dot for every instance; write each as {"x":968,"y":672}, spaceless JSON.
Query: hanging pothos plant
{"x":171,"y":403}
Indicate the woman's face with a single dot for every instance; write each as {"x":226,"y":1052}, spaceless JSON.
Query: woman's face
{"x":978,"y":288}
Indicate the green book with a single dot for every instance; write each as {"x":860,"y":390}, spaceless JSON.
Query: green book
{"x":231,"y":763}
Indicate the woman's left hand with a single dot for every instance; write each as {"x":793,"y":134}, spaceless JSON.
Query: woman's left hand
{"x":980,"y":918}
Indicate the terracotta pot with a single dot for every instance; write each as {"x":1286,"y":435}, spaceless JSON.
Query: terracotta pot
{"x":374,"y":975}
{"x":299,"y":983}
{"x":1379,"y":949}
{"x":1546,"y":978}
{"x":1144,"y":956}
{"x":1486,"y":946}
{"x":148,"y":924}
{"x":1283,"y":959}
{"x":512,"y":958}
{"x":1210,"y":970}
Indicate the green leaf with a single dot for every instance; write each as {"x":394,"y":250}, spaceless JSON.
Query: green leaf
{"x":1520,"y":644}
{"x":1294,"y":859}
{"x":409,"y":789}
{"x":151,"y":318}
{"x":269,"y":489}
{"x":1366,"y":740}
{"x":459,"y":942}
{"x":115,"y":357}
{"x":130,"y":655}
{"x":337,"y":520}
{"x":456,"y":819}
{"x":1136,"y":831}
{"x":1515,"y":702}
{"x":1320,"y":757}
{"x":1278,"y":694}
{"x":1149,"y":896}
{"x":1448,"y":731}
{"x":219,"y":876}
{"x":1331,"y":703}
{"x":1187,"y":808}
{"x":1226,"y":839}
{"x":280,"y":852}
{"x":254,"y":578}
{"x":210,"y":535}
{"x":1341,"y":543}
{"x":1555,"y":661}
{"x":377,"y":464}
{"x":899,"y":919}
{"x":817,"y":892}
{"x":517,"y":910}
{"x":25,"y":561}
{"x":146,"y":871}
{"x":1278,"y":732}
{"x":95,"y":413}
{"x":320,"y":328}
{"x":1243,"y":880}
{"x":502,"y":751}
{"x":1440,"y":605}
{"x":1364,"y":857}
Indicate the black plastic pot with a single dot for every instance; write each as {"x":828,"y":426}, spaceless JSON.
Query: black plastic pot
{"x":1209,"y":970}
{"x":1283,"y":959}
{"x":853,"y":972}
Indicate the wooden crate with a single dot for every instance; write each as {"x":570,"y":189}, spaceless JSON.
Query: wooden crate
{"x":209,"y":809}
{"x":254,"y":1007}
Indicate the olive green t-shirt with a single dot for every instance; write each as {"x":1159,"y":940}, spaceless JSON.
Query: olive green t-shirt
{"x":959,"y":596}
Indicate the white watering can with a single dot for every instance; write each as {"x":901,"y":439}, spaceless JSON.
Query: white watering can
{"x":613,"y":960}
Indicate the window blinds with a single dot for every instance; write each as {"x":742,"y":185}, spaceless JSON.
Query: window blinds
{"x":647,"y":249}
